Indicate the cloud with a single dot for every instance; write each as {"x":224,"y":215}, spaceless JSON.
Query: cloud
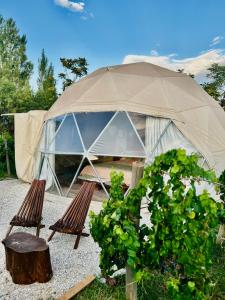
{"x":196,"y":65}
{"x":73,"y":6}
{"x":154,"y":52}
{"x":216,"y":40}
{"x":87,"y":16}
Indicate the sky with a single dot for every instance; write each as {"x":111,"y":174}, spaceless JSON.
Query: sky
{"x":171,"y":33}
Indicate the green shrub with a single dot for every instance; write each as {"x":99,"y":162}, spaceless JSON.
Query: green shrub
{"x":184,"y":223}
{"x":3,"y":166}
{"x":222,"y":186}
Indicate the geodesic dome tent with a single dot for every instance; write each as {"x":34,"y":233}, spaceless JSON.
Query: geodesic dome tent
{"x":136,"y":111}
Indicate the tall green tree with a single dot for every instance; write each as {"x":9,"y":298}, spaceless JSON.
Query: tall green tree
{"x":74,"y":69}
{"x":15,"y":91}
{"x":216,"y":85}
{"x":14,"y":62}
{"x":46,"y":94}
{"x":15,"y":68}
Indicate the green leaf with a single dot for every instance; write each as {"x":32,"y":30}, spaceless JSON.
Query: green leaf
{"x":191,"y":215}
{"x":175,"y":169}
{"x":191,"y":285}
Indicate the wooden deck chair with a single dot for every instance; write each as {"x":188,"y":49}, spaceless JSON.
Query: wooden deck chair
{"x":73,"y":220}
{"x":30,"y":212}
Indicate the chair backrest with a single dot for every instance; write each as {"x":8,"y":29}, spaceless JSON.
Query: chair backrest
{"x":76,"y":213}
{"x":31,"y":208}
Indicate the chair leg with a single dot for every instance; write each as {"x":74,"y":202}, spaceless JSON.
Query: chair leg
{"x":51,"y":236}
{"x":38,"y":230}
{"x":77,"y":241}
{"x":9,"y":230}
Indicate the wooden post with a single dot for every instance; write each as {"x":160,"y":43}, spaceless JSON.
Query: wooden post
{"x":221,"y":234}
{"x":131,"y":285}
{"x":7,"y":158}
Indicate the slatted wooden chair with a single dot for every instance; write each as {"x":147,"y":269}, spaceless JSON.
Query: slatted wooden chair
{"x":30,"y":212}
{"x":73,"y":220}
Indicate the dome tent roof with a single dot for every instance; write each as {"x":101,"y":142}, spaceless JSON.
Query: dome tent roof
{"x":138,"y":87}
{"x":152,"y":90}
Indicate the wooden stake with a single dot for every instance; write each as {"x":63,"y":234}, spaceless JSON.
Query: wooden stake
{"x":131,"y":285}
{"x":7,"y":158}
{"x":221,"y":234}
{"x":77,"y":288}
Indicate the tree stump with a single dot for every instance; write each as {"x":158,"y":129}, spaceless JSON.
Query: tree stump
{"x":27,"y":258}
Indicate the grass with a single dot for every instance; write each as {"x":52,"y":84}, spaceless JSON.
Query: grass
{"x":218,"y":273}
{"x":100,"y":291}
{"x":155,"y":290}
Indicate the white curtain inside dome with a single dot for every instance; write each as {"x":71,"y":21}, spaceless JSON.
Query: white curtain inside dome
{"x":162,"y":135}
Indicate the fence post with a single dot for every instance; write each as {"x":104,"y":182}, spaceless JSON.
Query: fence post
{"x":7,"y":157}
{"x":131,"y":285}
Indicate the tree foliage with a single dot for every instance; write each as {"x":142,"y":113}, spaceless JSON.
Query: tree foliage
{"x":46,"y":94}
{"x":14,"y":63}
{"x":16,"y":94}
{"x":74,"y":69}
{"x":222,"y":185}
{"x":216,"y":85}
{"x":183,"y":220}
{"x":15,"y":69}
{"x":183,"y":72}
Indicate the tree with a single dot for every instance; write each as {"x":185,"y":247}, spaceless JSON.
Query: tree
{"x":74,"y":69}
{"x":216,"y":86}
{"x":46,"y":93}
{"x":182,"y":71}
{"x":211,"y":89}
{"x":15,"y":69}
{"x":14,"y":63}
{"x":15,"y":92}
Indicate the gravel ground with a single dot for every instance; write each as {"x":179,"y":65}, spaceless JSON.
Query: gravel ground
{"x":69,"y":266}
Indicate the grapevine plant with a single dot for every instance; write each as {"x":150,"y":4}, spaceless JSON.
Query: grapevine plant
{"x":222,"y":185}
{"x":178,"y":243}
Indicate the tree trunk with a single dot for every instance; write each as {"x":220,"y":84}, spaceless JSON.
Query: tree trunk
{"x":27,"y":258}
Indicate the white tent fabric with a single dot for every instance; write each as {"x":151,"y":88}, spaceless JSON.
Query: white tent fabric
{"x":47,"y":145}
{"x":28,"y":129}
{"x":153,"y":91}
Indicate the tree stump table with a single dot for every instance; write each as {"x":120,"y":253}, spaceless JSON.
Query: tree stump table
{"x":27,"y":258}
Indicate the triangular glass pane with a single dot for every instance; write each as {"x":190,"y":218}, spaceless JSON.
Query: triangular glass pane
{"x":85,"y":172}
{"x":58,"y":120}
{"x":67,"y":139}
{"x":48,"y":134}
{"x":91,"y":124}
{"x":139,"y":121}
{"x":47,"y":173}
{"x":119,"y":139}
{"x":65,"y":166}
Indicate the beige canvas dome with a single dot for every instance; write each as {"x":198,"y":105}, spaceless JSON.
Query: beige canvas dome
{"x":152,"y":90}
{"x":138,"y":87}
